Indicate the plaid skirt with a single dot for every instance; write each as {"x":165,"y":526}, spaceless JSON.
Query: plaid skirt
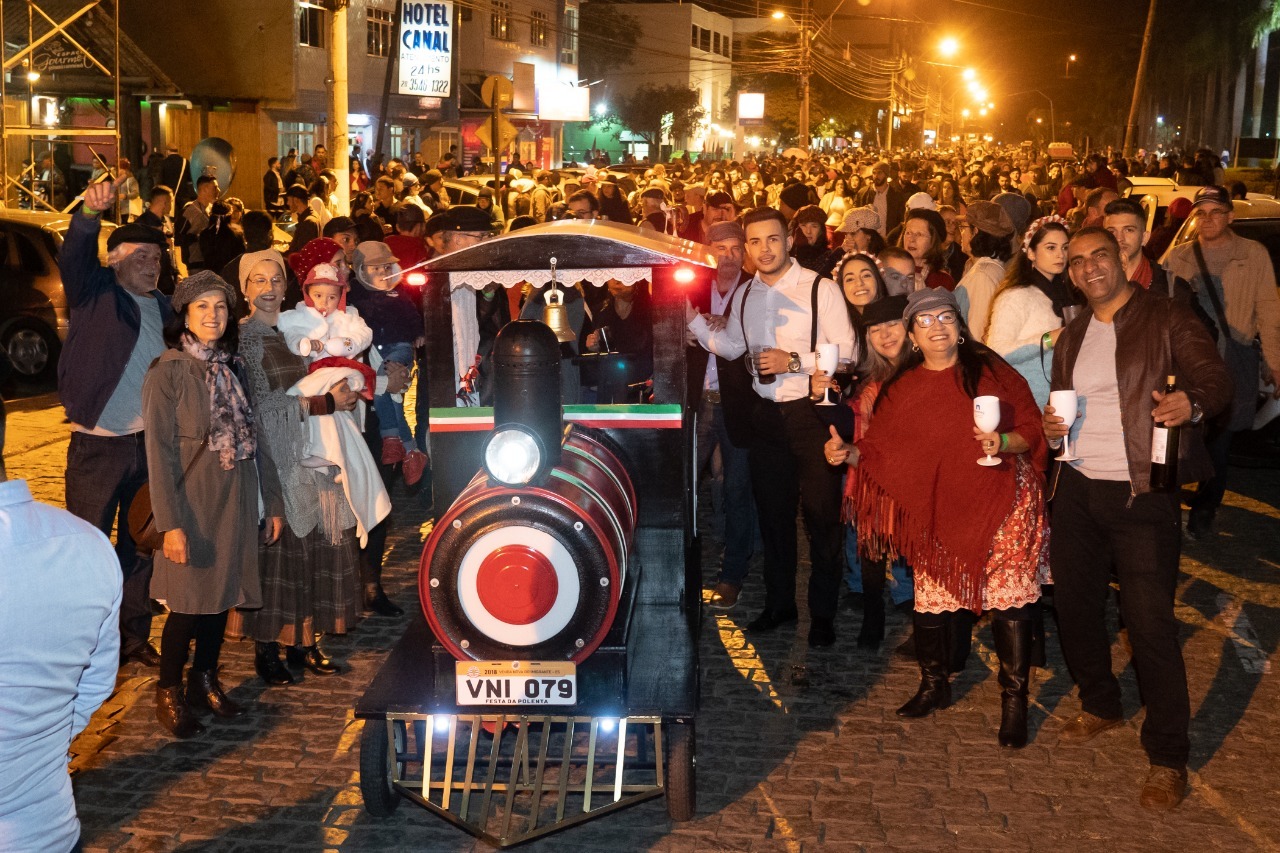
{"x":309,"y":586}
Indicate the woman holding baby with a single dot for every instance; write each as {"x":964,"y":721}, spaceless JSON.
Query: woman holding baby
{"x":310,"y":576}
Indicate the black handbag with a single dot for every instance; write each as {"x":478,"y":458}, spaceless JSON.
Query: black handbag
{"x":1243,"y":360}
{"x":142,"y":518}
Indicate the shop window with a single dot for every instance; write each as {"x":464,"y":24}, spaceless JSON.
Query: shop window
{"x":296,"y":135}
{"x":500,"y":20}
{"x":538,"y":29}
{"x":379,"y":32}
{"x":310,"y":25}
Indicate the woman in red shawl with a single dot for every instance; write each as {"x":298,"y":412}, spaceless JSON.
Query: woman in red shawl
{"x":977,"y":537}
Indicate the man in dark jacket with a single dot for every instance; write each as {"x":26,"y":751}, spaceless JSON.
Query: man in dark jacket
{"x":884,"y":198}
{"x":116,"y":319}
{"x":1106,"y":517}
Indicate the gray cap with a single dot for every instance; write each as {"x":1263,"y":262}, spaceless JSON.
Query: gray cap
{"x":726,"y":231}
{"x":198,"y":284}
{"x":929,"y":299}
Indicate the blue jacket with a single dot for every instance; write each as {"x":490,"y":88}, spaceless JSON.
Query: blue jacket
{"x":104,"y":325}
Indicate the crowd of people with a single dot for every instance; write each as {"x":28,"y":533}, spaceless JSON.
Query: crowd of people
{"x":883,"y":348}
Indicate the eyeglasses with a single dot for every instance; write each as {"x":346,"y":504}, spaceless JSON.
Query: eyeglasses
{"x":924,"y":321}
{"x":275,"y":281}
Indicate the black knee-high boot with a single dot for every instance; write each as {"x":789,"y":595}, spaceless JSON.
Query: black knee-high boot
{"x":872,"y":633}
{"x":931,"y":632}
{"x":1013,"y":647}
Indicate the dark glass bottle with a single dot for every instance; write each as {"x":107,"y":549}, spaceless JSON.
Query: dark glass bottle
{"x":1164,"y":451}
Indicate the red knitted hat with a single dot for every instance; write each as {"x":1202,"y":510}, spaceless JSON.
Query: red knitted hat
{"x":318,"y":251}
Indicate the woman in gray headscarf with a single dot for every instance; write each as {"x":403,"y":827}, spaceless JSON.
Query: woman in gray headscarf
{"x":310,"y":577}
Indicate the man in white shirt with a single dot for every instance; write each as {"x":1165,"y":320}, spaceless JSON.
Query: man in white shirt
{"x":60,"y":591}
{"x":780,"y":316}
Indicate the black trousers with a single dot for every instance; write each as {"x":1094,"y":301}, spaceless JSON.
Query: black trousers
{"x":103,"y":475}
{"x":1095,"y":526}
{"x":787,"y":465}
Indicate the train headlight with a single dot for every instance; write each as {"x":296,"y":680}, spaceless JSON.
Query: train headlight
{"x":512,"y":456}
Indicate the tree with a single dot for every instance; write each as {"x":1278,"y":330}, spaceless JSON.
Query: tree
{"x":651,"y":110}
{"x":607,"y":39}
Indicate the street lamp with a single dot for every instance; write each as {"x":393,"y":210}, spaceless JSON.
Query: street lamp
{"x":1070,"y":59}
{"x":807,"y":35}
{"x":948,"y":47}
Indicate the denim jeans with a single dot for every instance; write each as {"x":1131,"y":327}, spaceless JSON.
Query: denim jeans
{"x":900,"y":588}
{"x":730,"y":492}
{"x":103,"y":475}
{"x":391,"y":413}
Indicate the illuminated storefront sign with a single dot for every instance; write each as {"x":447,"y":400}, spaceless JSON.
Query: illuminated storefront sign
{"x":426,"y":52}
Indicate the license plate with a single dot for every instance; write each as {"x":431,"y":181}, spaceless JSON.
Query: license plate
{"x":519,"y":682}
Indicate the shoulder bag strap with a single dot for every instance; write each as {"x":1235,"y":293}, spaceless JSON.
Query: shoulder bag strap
{"x":1213,"y":291}
{"x":813,"y":315}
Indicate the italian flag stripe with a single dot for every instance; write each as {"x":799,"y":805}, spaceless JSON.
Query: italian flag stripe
{"x":480,"y":419}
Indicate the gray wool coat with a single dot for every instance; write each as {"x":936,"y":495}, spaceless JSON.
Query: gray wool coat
{"x":217,"y":509}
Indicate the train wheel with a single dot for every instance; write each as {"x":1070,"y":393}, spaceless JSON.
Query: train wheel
{"x":681,"y":776}
{"x":376,"y":755}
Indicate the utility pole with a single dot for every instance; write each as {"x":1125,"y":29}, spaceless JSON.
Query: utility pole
{"x":1131,"y":127}
{"x":339,"y":140}
{"x":806,"y":47}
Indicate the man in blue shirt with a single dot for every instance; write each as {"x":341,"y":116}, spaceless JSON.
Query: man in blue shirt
{"x":60,"y":591}
{"x":116,"y":320}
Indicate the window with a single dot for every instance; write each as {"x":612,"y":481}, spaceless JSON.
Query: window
{"x":538,"y":29}
{"x":500,"y":20}
{"x":310,"y":25}
{"x":725,"y":43}
{"x":569,"y":37}
{"x":715,"y":42}
{"x":379,"y":32}
{"x":696,"y":28}
{"x":704,"y":40}
{"x":404,"y":141}
{"x":299,"y":136}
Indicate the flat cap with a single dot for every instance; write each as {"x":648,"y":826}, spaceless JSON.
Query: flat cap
{"x":135,"y":232}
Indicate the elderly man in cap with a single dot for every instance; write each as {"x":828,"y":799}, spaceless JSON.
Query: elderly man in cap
{"x":1235,"y":285}
{"x":117,"y":315}
{"x":716,"y":207}
{"x":724,"y":420}
{"x":653,"y":210}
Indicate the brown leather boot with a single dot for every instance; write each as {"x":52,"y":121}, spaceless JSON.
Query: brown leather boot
{"x":174,"y":715}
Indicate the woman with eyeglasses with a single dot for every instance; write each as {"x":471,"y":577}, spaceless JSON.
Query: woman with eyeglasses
{"x":1034,"y":300}
{"x":923,"y":233}
{"x":310,"y":574}
{"x":915,"y":467}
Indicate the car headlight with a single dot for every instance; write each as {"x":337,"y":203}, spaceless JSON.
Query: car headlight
{"x":512,"y":456}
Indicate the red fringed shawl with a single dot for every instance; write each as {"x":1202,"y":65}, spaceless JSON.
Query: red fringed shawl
{"x":918,"y":491}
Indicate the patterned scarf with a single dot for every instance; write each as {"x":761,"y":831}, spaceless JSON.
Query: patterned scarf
{"x":230,"y":417}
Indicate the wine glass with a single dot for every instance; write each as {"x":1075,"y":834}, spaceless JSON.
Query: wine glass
{"x":986,"y":416}
{"x":1065,"y":405}
{"x":828,"y":361}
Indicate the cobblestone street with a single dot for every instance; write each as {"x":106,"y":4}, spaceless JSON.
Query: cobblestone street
{"x":797,"y":751}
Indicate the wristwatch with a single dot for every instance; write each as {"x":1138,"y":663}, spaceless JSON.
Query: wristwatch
{"x":1197,"y":413}
{"x":793,"y":366}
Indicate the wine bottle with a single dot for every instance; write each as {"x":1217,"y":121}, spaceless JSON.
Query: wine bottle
{"x":1164,"y":451}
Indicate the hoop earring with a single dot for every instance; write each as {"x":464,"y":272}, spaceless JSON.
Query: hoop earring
{"x":961,"y":340}
{"x":915,"y":347}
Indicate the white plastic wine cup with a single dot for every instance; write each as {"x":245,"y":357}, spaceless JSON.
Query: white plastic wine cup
{"x":1065,"y":405}
{"x":828,"y":361}
{"x":986,"y":417}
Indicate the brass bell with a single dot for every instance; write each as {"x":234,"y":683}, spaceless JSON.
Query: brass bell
{"x":554,"y":314}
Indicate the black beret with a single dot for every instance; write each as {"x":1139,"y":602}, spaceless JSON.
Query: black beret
{"x":135,"y":232}
{"x":463,"y":217}
{"x":884,"y":310}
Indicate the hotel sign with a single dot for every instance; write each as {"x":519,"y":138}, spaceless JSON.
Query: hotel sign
{"x":426,"y":54}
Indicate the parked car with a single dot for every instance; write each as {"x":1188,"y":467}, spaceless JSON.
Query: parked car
{"x":33,"y":308}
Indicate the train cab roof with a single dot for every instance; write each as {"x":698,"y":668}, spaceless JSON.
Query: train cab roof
{"x":595,"y":251}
